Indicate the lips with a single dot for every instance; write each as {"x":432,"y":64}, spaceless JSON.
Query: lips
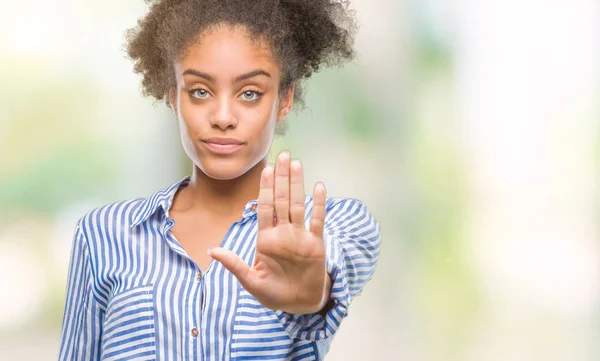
{"x":223,"y":140}
{"x":223,"y":145}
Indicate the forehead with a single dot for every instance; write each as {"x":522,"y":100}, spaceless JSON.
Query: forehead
{"x":226,"y":50}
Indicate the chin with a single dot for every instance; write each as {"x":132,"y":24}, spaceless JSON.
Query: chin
{"x":225,"y":169}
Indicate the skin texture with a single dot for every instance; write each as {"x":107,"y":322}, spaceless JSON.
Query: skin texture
{"x":289,"y":271}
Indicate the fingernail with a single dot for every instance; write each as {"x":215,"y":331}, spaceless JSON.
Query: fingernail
{"x":209,"y":251}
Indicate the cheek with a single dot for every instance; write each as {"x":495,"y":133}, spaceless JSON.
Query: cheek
{"x":192,"y":119}
{"x":262,"y":123}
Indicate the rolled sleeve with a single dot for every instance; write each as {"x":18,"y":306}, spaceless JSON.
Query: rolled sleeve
{"x":352,"y":239}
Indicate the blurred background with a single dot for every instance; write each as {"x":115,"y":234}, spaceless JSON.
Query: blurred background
{"x":469,"y":128}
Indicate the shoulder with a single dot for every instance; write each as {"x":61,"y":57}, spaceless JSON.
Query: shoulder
{"x":110,"y":217}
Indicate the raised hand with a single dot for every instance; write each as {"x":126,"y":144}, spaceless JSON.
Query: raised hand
{"x":289,"y":272}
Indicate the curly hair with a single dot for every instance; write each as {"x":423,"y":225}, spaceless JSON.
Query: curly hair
{"x":303,"y":35}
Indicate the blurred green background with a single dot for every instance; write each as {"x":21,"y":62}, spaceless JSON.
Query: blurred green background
{"x":469,"y":128}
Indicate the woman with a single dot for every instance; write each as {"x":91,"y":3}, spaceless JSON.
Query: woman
{"x":234,"y":262}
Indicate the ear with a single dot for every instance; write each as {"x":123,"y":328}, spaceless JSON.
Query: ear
{"x":285,"y":106}
{"x":173,"y":99}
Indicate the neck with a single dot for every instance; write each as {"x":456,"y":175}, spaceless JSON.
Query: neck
{"x":222,"y":197}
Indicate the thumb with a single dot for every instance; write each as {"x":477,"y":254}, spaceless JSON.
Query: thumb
{"x":234,"y":264}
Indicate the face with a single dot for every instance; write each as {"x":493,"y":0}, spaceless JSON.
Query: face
{"x":227,"y":102}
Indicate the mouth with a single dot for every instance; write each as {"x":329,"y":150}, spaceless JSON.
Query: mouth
{"x":222,"y":147}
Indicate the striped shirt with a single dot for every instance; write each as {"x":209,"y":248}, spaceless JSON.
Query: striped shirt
{"x":133,"y":293}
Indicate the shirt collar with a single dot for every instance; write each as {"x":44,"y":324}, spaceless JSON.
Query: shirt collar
{"x":164,"y":198}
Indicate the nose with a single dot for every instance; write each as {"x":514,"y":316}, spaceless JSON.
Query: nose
{"x":224,"y":116}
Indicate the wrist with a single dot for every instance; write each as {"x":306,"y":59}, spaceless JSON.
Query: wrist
{"x":326,"y":293}
{"x":311,"y":307}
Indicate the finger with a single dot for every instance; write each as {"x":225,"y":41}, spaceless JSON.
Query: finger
{"x":282,"y":188}
{"x":235,"y":264}
{"x":264,"y":211}
{"x":317,"y":218}
{"x":296,"y":194}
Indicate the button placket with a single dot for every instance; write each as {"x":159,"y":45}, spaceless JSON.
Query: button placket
{"x":194,"y":321}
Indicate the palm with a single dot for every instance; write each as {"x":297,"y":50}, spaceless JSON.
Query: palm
{"x":289,"y":265}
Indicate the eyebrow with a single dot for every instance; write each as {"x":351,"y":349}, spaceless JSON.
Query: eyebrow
{"x":208,"y":77}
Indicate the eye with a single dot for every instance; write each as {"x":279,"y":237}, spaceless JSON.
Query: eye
{"x":199,"y":93}
{"x":250,"y":95}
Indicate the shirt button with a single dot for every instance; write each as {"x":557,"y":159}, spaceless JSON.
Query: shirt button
{"x":198,"y":276}
{"x":194,"y":332}
{"x":253,"y":207}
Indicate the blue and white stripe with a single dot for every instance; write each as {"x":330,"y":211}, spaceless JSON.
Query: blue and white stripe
{"x":134,"y":294}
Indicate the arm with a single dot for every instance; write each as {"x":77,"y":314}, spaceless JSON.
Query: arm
{"x":82,"y":321}
{"x":292,"y":264}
